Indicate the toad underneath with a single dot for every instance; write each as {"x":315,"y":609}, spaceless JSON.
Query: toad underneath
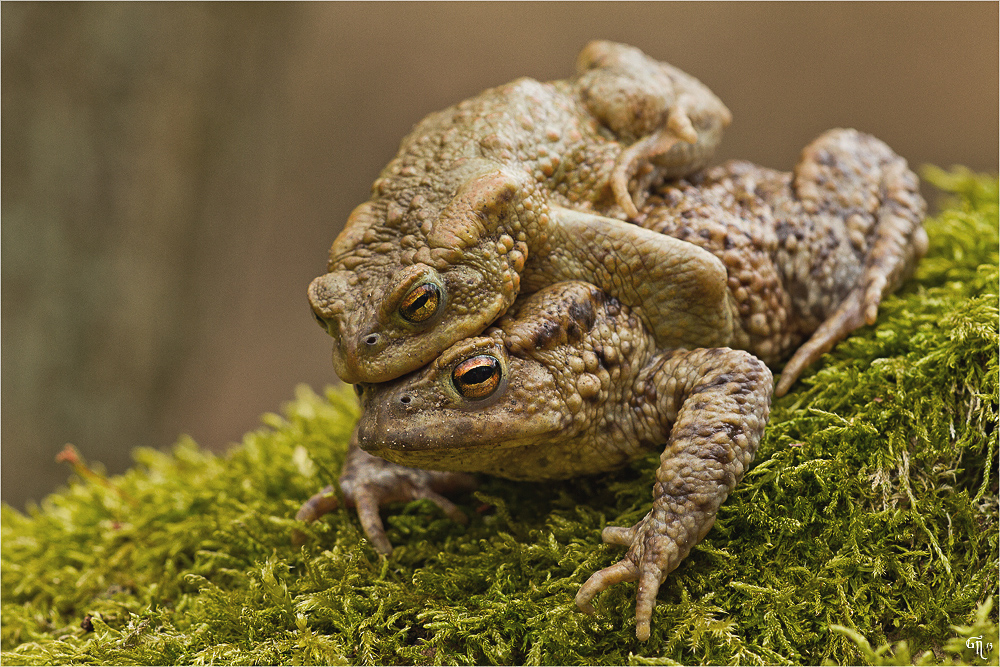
{"x":570,"y":383}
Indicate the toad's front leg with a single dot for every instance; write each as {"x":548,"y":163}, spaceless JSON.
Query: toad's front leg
{"x":369,"y":482}
{"x":678,"y":289}
{"x":714,"y":403}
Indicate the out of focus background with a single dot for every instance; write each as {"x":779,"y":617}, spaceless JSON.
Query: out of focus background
{"x":173,"y":174}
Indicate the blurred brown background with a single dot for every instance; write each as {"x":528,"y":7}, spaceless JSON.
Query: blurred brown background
{"x":173,"y":174}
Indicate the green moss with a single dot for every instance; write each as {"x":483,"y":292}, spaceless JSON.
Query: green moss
{"x":869,"y":518}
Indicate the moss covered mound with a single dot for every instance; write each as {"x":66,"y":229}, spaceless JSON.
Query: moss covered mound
{"x":869,"y":519}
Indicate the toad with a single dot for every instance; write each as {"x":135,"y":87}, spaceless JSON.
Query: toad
{"x":570,"y":382}
{"x":523,"y":186}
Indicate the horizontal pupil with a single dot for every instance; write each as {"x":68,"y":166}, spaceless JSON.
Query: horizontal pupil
{"x":479,"y":374}
{"x":421,"y":304}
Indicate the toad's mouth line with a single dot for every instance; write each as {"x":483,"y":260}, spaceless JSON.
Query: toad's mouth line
{"x":377,"y":436}
{"x":380,"y":438}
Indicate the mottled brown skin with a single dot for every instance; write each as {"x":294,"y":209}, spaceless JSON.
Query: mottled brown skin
{"x":579,"y":387}
{"x":520,"y":187}
{"x":808,"y":254}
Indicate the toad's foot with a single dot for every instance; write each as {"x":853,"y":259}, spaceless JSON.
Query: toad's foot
{"x":647,"y":149}
{"x":854,"y":177}
{"x":725,"y":398}
{"x":653,"y":552}
{"x":670,"y":121}
{"x":369,"y":482}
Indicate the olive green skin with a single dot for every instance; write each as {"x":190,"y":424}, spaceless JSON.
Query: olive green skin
{"x":520,"y":187}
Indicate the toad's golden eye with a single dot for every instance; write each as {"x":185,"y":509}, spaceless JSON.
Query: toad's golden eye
{"x":420,"y":304}
{"x":477,"y":377}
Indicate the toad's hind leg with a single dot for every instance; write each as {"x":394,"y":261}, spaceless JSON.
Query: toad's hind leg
{"x":670,"y":122}
{"x":857,"y":182}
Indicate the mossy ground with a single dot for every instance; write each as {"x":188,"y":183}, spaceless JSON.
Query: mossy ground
{"x":870,"y":515}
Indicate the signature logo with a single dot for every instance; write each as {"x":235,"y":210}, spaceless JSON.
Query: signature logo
{"x":977,"y":643}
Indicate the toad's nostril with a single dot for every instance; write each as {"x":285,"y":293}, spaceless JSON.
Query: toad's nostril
{"x":405,"y":400}
{"x":371,"y":339}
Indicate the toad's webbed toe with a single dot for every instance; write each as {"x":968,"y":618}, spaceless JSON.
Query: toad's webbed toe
{"x":368,"y":483}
